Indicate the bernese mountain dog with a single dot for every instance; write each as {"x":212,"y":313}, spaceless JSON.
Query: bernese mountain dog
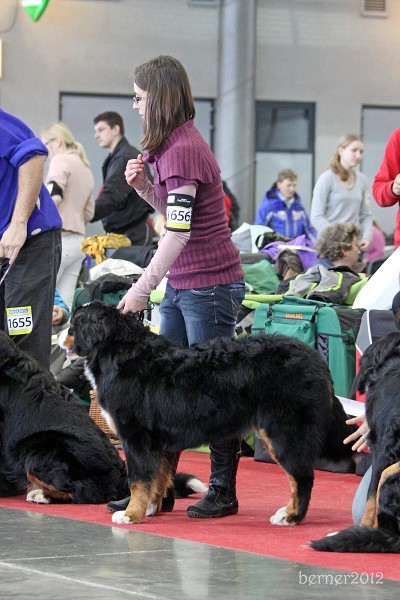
{"x":379,"y":377}
{"x":161,"y":398}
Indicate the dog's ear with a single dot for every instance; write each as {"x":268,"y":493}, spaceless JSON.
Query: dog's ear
{"x":92,"y":325}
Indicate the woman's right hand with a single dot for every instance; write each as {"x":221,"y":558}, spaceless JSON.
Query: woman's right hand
{"x":135,"y":173}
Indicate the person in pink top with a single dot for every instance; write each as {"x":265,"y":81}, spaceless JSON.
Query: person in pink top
{"x":205,"y":280}
{"x":378,"y":242}
{"x":71,"y":184}
{"x":386,"y":186}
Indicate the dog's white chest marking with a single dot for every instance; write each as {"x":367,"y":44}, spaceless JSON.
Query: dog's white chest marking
{"x":90,"y":376}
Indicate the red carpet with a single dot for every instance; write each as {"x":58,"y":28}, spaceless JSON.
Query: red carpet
{"x":262,"y":489}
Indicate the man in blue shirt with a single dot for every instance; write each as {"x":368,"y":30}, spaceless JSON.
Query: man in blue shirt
{"x":30,"y":240}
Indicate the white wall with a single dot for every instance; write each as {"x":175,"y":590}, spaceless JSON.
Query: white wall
{"x":94,"y":46}
{"x":324,"y":51}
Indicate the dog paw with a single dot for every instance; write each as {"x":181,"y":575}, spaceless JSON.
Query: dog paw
{"x":279,"y":518}
{"x":38,"y":497}
{"x":152,"y":510}
{"x":122,"y":518}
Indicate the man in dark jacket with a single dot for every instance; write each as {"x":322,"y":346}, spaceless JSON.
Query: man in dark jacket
{"x":118,"y":205}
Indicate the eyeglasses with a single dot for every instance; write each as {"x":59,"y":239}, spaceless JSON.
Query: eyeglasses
{"x":137,"y":99}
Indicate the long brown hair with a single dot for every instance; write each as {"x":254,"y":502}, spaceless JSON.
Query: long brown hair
{"x":336,"y":165}
{"x":169,"y":101}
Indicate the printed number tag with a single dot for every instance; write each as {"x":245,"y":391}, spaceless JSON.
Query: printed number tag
{"x":179,"y":212}
{"x":179,"y":218}
{"x":19,"y":320}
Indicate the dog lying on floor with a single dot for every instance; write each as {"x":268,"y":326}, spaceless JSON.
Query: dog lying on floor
{"x":161,"y":398}
{"x":49,"y":441}
{"x":379,"y":531}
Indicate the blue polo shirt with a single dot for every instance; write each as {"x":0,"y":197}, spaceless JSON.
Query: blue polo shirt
{"x":17,"y":145}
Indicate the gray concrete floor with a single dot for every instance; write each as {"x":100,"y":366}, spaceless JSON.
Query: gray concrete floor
{"x":54,"y":558}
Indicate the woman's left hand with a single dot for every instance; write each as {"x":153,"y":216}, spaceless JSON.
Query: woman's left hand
{"x":364,"y":245}
{"x":130,"y":303}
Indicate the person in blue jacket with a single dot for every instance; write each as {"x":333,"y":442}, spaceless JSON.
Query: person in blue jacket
{"x":282,"y":210}
{"x":30,"y":240}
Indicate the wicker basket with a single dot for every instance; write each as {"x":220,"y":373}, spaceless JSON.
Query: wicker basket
{"x":95,"y":413}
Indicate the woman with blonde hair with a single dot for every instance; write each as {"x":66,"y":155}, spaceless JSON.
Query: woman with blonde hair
{"x":71,"y":185}
{"x":341,"y":193}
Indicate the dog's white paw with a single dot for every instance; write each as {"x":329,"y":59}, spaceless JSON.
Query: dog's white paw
{"x":38,"y":497}
{"x":279,"y":518}
{"x":152,"y":510}
{"x":120,"y":518}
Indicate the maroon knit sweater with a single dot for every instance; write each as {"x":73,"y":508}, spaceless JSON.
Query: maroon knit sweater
{"x":209,"y":257}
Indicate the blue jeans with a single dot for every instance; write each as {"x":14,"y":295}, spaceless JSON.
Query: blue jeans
{"x":201,"y":314}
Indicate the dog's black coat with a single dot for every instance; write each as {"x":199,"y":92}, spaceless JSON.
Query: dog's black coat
{"x":44,"y":432}
{"x":379,"y":376}
{"x":166,"y":398}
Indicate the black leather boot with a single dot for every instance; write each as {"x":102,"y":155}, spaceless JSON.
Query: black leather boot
{"x":220,"y":499}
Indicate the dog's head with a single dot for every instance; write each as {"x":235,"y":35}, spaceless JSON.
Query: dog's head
{"x":378,"y":355}
{"x":98,"y":325}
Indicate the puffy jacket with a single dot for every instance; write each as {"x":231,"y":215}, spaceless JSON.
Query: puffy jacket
{"x":288,"y":220}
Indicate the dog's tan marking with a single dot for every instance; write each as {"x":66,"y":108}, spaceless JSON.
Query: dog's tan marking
{"x":268,"y":444}
{"x":388,"y":472}
{"x":160,"y":485}
{"x":48,"y":490}
{"x":292,"y":509}
{"x":140,"y":500}
{"x":285,"y":515}
{"x":370,"y":517}
{"x":67,"y":341}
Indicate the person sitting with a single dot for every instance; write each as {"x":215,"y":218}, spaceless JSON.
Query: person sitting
{"x":338,"y":246}
{"x":282,"y":210}
{"x":61,"y":312}
{"x":337,"y":249}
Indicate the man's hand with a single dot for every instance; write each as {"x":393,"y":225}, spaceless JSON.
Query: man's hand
{"x":12,"y":241}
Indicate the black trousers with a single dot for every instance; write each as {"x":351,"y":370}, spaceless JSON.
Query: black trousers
{"x":31,"y":281}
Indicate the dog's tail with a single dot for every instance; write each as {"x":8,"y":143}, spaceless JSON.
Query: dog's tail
{"x":385,"y":537}
{"x":186,"y":484}
{"x":359,"y":539}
